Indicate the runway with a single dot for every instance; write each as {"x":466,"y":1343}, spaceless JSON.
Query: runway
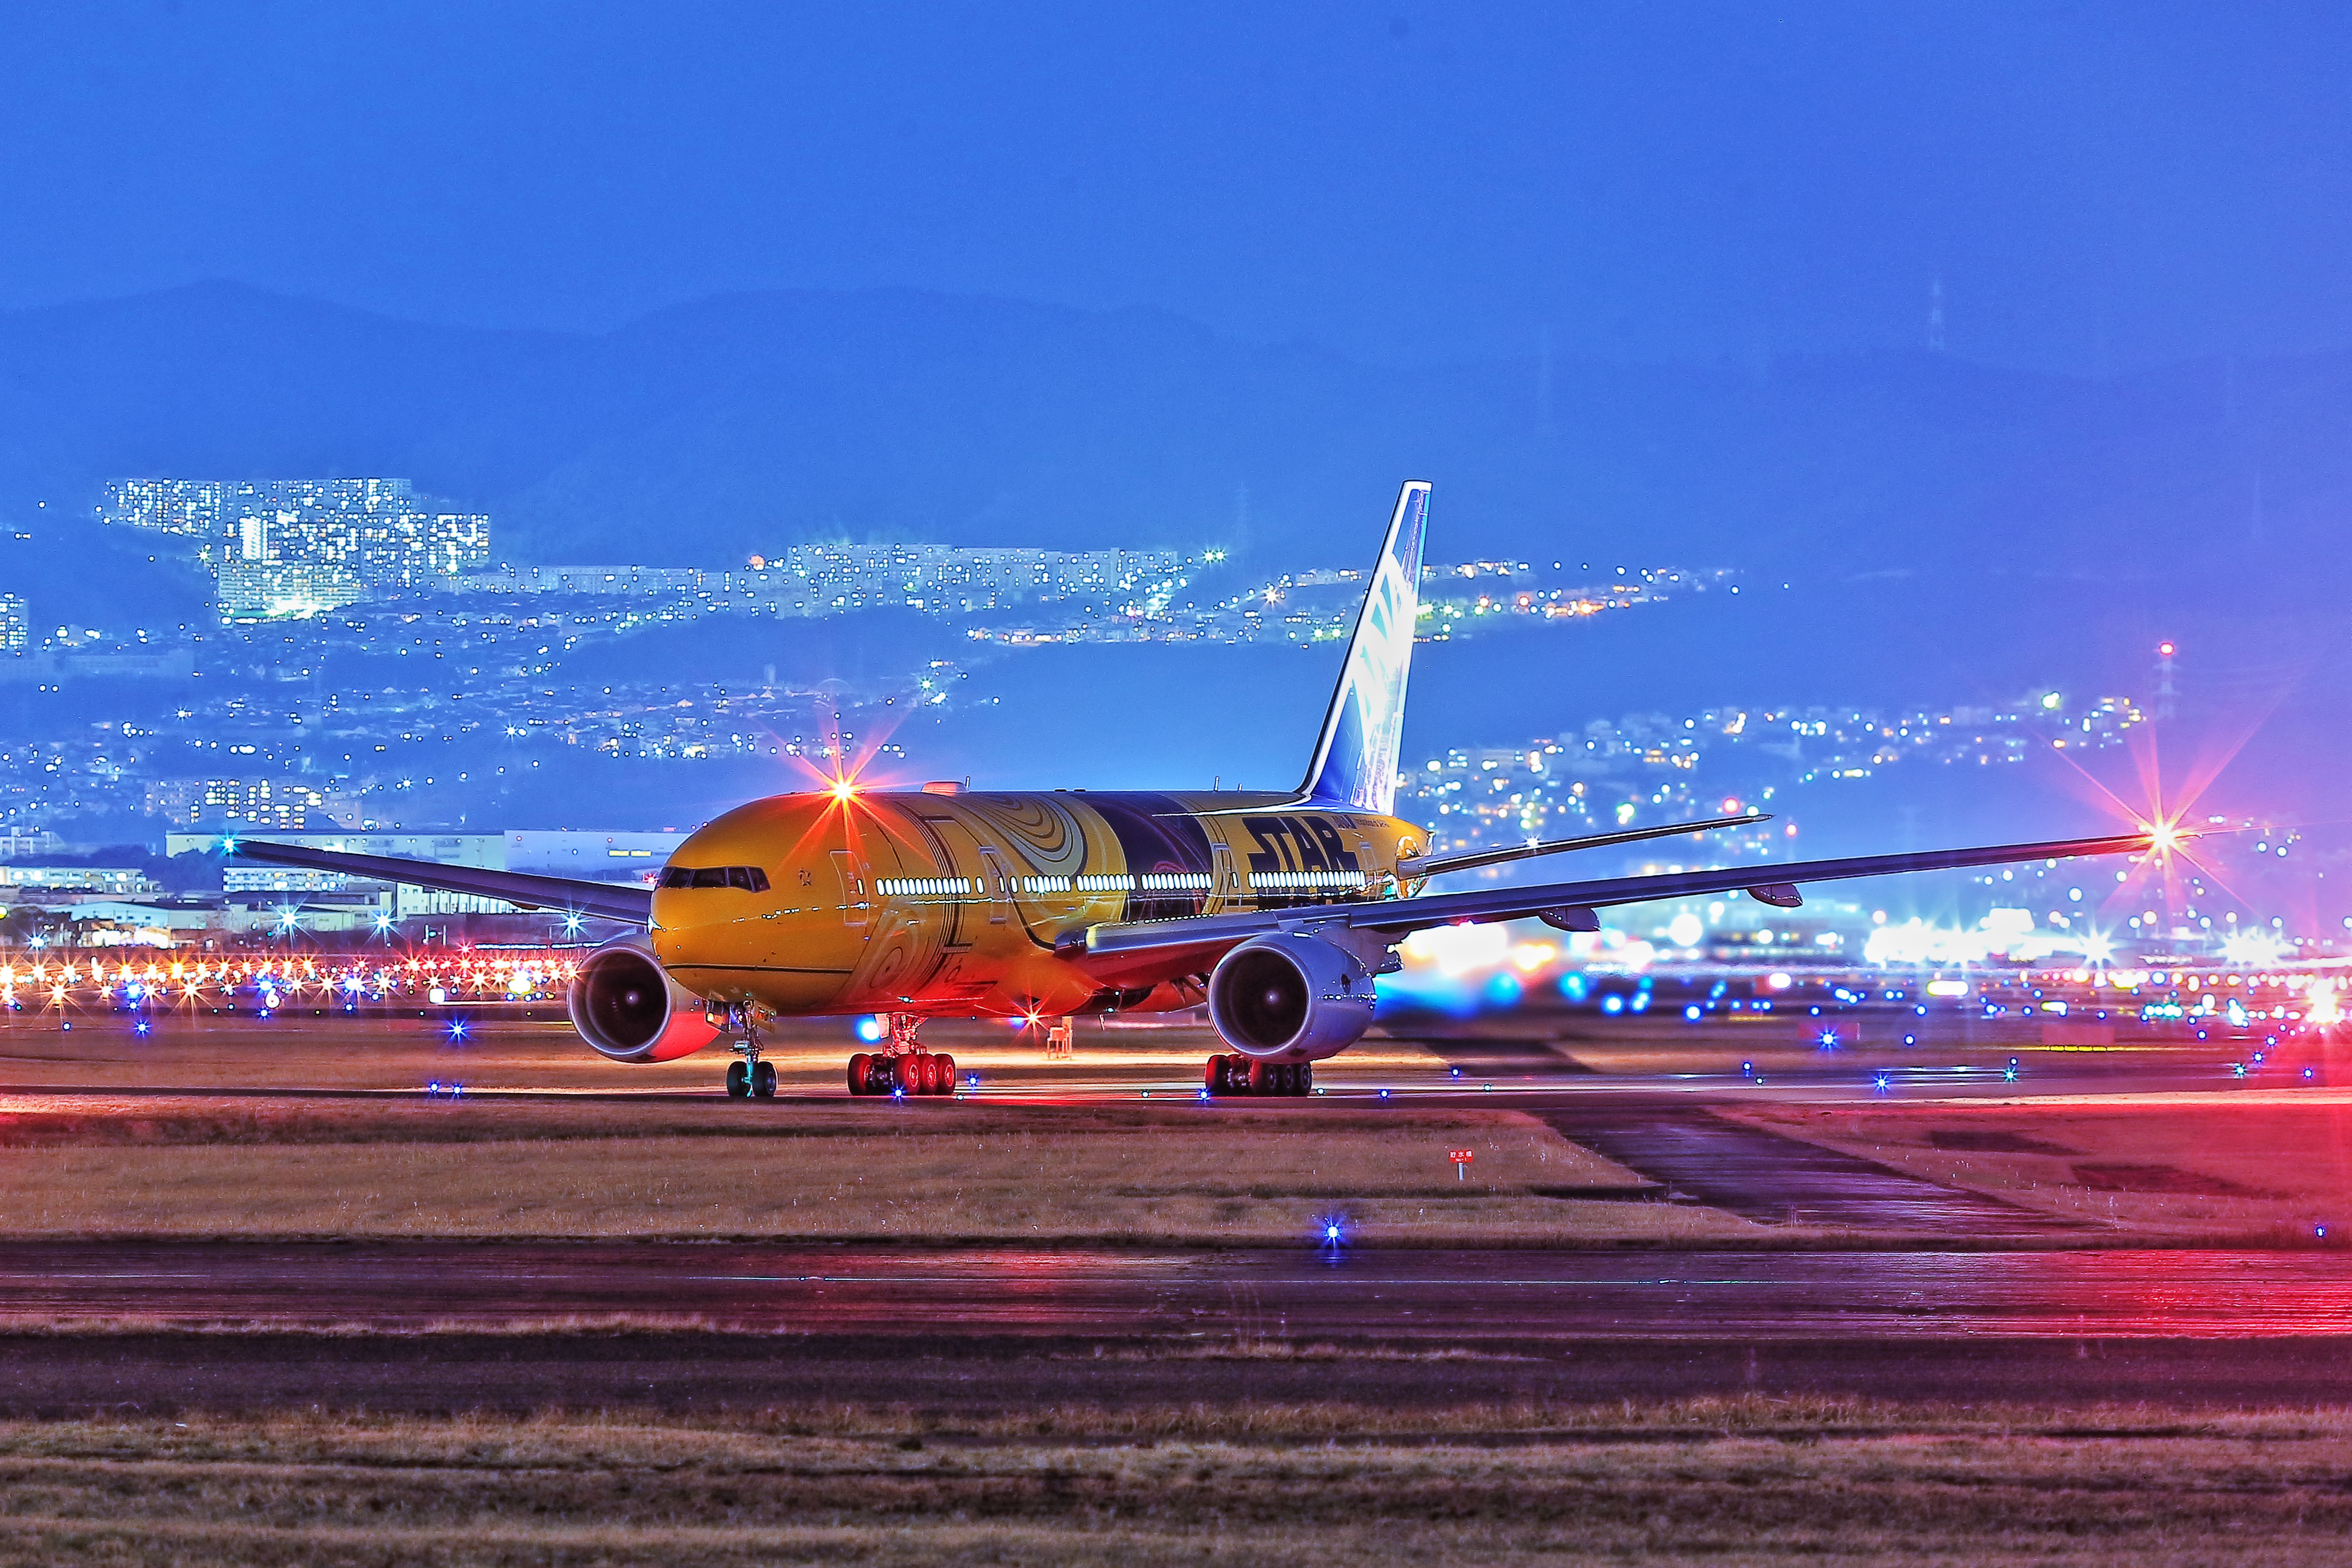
{"x":1493,"y":1299}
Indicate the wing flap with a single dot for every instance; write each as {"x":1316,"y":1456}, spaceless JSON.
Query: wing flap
{"x":603,"y":900}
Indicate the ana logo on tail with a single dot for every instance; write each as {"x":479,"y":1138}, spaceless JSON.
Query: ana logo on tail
{"x":1356,"y":756}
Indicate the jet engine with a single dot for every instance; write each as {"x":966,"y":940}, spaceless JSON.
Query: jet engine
{"x":629,"y":1009}
{"x":1293,"y":996}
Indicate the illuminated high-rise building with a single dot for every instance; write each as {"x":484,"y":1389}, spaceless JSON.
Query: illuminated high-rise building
{"x":290,"y":548}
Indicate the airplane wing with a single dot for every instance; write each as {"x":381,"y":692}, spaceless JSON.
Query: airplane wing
{"x":604,"y":900}
{"x":1148,"y":950}
{"x":1415,"y":867}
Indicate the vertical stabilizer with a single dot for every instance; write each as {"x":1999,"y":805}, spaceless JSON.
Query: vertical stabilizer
{"x":1356,"y":756}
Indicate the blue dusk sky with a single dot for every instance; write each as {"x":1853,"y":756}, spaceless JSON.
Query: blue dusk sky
{"x":2098,"y":187}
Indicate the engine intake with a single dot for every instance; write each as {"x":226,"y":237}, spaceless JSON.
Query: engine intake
{"x":626,"y":1005}
{"x":1294,"y":996}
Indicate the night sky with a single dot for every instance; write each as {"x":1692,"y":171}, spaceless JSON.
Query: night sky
{"x":2098,"y":188}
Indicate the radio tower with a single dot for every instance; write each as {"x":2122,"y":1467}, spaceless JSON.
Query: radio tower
{"x":1936,"y":317}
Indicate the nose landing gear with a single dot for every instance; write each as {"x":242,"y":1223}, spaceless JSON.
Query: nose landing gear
{"x":751,"y":1078}
{"x":1236,"y":1075}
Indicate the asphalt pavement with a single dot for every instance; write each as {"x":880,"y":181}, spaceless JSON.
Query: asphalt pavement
{"x":1493,"y":1299}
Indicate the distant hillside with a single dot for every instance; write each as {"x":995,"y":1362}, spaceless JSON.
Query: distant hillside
{"x":700,"y":434}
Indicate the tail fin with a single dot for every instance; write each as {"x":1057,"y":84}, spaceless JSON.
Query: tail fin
{"x":1356,"y":756}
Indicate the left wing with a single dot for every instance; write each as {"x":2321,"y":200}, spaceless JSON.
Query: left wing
{"x":1143,"y":951}
{"x":604,"y":900}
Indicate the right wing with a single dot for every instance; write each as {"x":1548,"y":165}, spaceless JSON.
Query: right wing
{"x":603,"y":900}
{"x":1414,"y":867}
{"x":1145,"y":951}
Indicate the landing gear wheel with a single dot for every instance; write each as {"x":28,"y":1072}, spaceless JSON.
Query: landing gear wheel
{"x":739,"y":1080}
{"x":909,"y":1074}
{"x":1306,"y":1079}
{"x":1212,"y":1077}
{"x":1262,"y":1077}
{"x":947,"y":1073}
{"x":859,"y":1070}
{"x":763,"y":1079}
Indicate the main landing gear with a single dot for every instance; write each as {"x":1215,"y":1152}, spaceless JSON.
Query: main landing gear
{"x":910,"y":1072}
{"x":906,"y":1068}
{"x":1245,"y":1075}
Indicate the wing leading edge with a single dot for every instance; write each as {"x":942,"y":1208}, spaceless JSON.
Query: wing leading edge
{"x":604,"y":900}
{"x":1131,"y":952}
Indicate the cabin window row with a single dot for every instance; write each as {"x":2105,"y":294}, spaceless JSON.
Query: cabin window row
{"x":921,"y":886}
{"x":750,"y":878}
{"x":1149,"y":882}
{"x":1307,"y":878}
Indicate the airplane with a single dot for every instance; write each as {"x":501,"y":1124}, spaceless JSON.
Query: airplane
{"x":1277,"y":910}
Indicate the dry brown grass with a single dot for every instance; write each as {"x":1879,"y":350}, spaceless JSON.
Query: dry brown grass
{"x":2221,"y":1172}
{"x":1175,"y":1178}
{"x":1719,"y":1481}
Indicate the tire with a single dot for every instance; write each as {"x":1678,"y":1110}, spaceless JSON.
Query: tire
{"x":1212,"y":1077}
{"x":926,"y":1073}
{"x":738,"y":1081}
{"x":763,"y":1080}
{"x":947,"y":1073}
{"x":1261,"y":1078}
{"x":857,"y":1066}
{"x":1306,"y":1077}
{"x":909,"y":1074}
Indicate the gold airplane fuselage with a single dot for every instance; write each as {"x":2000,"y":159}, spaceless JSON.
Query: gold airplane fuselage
{"x":969,"y":904}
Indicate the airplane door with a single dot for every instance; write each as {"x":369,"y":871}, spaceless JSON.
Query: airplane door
{"x":999,"y":885}
{"x":853,"y":888}
{"x":1223,"y":890}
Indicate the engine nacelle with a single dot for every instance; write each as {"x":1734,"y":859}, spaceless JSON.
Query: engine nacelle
{"x":627,"y":1006}
{"x":1293,"y":996}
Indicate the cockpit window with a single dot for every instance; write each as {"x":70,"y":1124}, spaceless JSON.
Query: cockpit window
{"x":748,"y":879}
